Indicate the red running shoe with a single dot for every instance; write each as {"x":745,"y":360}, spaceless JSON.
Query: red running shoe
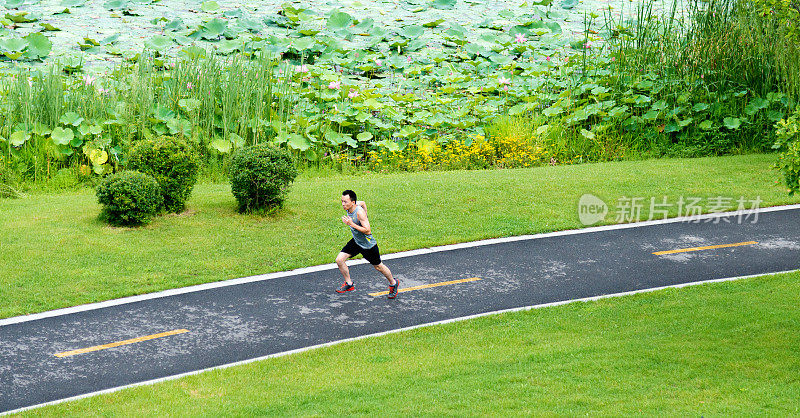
{"x":346,"y":288}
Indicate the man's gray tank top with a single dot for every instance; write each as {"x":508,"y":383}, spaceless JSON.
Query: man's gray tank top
{"x":363,"y":240}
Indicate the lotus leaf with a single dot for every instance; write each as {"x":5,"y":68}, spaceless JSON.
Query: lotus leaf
{"x":412,"y":31}
{"x":229,"y":46}
{"x":189,"y":105}
{"x":299,"y":142}
{"x":115,"y":4}
{"x":335,"y":138}
{"x":221,"y":145}
{"x":62,"y":136}
{"x":158,"y":42}
{"x":388,"y":144}
{"x":86,"y":129}
{"x":38,"y":46}
{"x":444,"y":4}
{"x":210,"y":6}
{"x":12,"y":45}
{"x":175,"y":25}
{"x":22,"y":17}
{"x":433,"y":23}
{"x":98,"y":157}
{"x":235,"y":139}
{"x":756,"y":104}
{"x":213,"y":29}
{"x":18,"y":138}
{"x":568,"y":4}
{"x":71,"y":118}
{"x":163,"y":114}
{"x":732,"y":123}
{"x":552,"y":111}
{"x":339,"y":20}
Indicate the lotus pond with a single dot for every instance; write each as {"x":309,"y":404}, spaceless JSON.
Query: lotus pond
{"x":413,"y":84}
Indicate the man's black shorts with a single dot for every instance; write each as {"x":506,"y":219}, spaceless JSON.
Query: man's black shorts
{"x":371,"y":254}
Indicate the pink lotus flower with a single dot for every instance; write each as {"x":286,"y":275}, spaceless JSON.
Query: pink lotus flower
{"x":520,"y":38}
{"x":88,"y":80}
{"x":189,"y":86}
{"x":408,"y":59}
{"x":547,"y":58}
{"x":505,"y":88}
{"x":613,"y":59}
{"x":334,"y":85}
{"x":302,"y":69}
{"x":502,"y":80}
{"x":378,"y":63}
{"x":353,"y":94}
{"x":587,"y":45}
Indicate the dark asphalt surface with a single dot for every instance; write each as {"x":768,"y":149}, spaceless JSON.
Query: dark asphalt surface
{"x":246,"y":321}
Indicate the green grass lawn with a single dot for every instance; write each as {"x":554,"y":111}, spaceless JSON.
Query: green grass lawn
{"x":714,"y":349}
{"x":56,"y":253}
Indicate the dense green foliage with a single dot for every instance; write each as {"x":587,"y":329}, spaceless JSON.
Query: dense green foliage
{"x":260,"y":177}
{"x":129,"y":198}
{"x":173,"y":163}
{"x":788,"y":142}
{"x":711,"y":79}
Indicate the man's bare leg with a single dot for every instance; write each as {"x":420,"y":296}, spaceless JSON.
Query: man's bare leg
{"x":341,"y":261}
{"x":386,"y":272}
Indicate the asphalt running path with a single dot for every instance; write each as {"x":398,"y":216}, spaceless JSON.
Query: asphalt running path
{"x":228,"y":324}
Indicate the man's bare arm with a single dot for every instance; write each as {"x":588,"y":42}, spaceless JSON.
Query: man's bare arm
{"x":363,"y":205}
{"x":364,"y":228}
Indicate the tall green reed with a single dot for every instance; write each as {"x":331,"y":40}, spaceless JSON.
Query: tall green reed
{"x":236,"y":99}
{"x":731,"y":44}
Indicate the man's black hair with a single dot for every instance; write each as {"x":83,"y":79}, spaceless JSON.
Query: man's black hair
{"x":350,"y":194}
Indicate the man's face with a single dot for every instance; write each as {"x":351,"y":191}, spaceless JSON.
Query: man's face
{"x":347,"y":204}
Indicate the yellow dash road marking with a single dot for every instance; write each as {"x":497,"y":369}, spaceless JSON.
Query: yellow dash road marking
{"x":425,"y":286}
{"x":710,"y":247}
{"x":119,"y":343}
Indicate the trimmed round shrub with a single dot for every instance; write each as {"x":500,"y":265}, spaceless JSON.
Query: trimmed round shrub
{"x":174,"y":165}
{"x":129,"y":198}
{"x":260,"y":177}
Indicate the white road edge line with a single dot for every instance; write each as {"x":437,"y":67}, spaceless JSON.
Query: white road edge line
{"x":332,"y":266}
{"x":378,"y":334}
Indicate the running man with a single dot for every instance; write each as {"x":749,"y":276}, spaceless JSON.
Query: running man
{"x":361,"y":243}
